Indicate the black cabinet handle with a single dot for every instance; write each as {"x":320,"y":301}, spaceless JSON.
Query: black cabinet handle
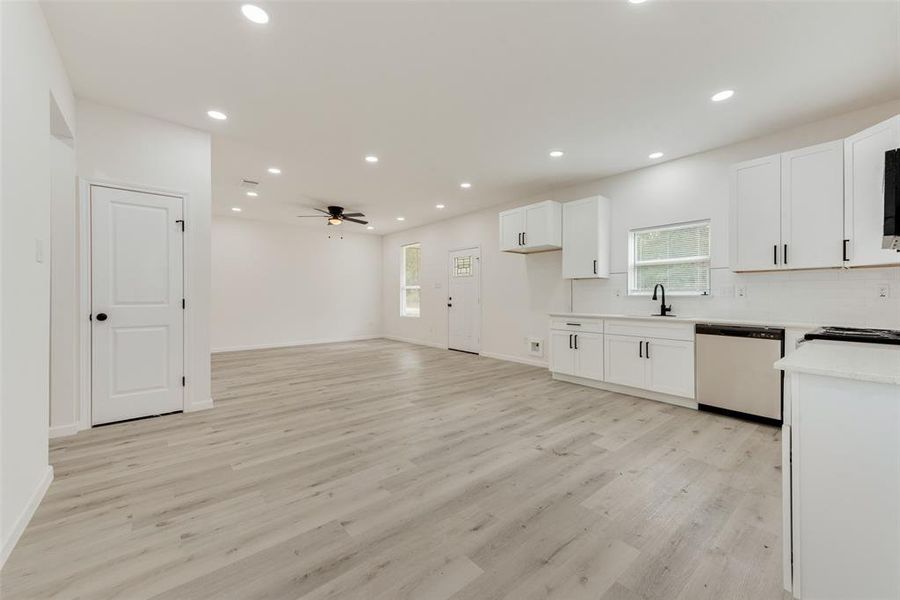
{"x":647,"y":350}
{"x":524,"y":239}
{"x":641,"y":349}
{"x":576,"y":341}
{"x":574,"y":324}
{"x":845,"y":251}
{"x":595,"y":266}
{"x":570,"y":341}
{"x":101,"y":316}
{"x":775,"y":254}
{"x":785,"y":254}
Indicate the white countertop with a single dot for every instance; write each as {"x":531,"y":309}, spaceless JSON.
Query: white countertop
{"x":679,"y":319}
{"x":878,"y":363}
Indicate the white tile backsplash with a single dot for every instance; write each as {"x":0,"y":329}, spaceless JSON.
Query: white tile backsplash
{"x":848,"y":297}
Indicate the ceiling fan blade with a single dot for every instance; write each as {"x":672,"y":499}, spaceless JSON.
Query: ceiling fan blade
{"x":322,"y":211}
{"x":354,"y":214}
{"x":346,"y":218}
{"x":309,"y":216}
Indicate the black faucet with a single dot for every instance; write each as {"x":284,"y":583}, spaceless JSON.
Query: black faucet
{"x":663,"y":309}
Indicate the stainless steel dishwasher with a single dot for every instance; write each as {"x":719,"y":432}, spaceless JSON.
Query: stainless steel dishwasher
{"x":734,"y":370}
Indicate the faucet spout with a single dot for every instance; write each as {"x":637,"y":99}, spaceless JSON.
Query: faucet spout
{"x":663,"y":309}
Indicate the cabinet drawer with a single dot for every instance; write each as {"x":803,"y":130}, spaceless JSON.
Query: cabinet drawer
{"x":657,"y":328}
{"x":576,"y":325}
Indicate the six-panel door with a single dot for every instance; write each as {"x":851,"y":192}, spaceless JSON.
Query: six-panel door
{"x":137,"y":316}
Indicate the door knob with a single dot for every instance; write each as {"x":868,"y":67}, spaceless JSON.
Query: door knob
{"x":101,"y":316}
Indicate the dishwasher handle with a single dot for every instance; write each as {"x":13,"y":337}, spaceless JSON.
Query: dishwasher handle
{"x":765,"y":333}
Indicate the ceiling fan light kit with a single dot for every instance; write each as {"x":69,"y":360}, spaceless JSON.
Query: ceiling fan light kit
{"x":336,"y":216}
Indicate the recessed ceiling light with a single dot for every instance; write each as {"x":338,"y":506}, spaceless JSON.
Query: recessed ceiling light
{"x":217,"y":115}
{"x":723,"y":95}
{"x":236,"y":208}
{"x":371,"y":158}
{"x":274,"y":170}
{"x":370,"y":227}
{"x":465,"y":185}
{"x":253,"y":194}
{"x":655,"y":155}
{"x":255,"y":14}
{"x":439,"y":206}
{"x":556,"y":153}
{"x":401,"y":218}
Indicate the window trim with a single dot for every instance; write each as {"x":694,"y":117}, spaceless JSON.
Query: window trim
{"x":404,"y":287}
{"x":630,"y":267}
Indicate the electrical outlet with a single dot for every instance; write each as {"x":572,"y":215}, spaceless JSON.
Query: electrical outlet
{"x":741,"y":291}
{"x":884,"y":291}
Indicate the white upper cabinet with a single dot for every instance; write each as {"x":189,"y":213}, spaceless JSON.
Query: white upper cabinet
{"x":812,"y":206}
{"x":585,"y":236}
{"x":533,"y":228}
{"x":864,"y":193}
{"x":756,"y":215}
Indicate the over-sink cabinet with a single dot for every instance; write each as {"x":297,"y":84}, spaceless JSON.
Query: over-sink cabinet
{"x":643,"y":357}
{"x":812,"y":208}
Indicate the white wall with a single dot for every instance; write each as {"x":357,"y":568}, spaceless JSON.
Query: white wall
{"x":32,"y":73}
{"x":518,"y":291}
{"x":64,"y":290}
{"x":130,"y":149}
{"x":280,"y":285}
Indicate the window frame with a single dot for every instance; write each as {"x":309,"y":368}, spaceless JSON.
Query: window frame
{"x":630,"y":270}
{"x":404,"y":312}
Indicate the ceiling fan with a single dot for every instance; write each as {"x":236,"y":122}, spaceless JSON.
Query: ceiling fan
{"x":336,"y":215}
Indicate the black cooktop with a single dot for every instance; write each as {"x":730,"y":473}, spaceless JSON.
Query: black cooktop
{"x":851,"y":334}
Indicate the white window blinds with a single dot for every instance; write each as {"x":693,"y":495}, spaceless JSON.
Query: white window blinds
{"x":676,"y":256}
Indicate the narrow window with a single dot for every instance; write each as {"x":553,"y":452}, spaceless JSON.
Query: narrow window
{"x":410,"y":292}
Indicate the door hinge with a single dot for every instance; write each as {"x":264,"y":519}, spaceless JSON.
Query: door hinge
{"x":183,"y":304}
{"x":183,"y":381}
{"x":181,"y":222}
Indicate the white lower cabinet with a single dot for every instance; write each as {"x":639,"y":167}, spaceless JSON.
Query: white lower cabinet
{"x":625,"y":361}
{"x":655,"y":364}
{"x":562,"y":353}
{"x":670,"y":367}
{"x":577,"y":353}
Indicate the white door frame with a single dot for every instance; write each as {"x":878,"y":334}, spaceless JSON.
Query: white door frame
{"x":477,"y":290}
{"x":84,"y":248}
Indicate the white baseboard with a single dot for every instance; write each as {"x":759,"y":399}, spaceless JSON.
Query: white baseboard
{"x":629,"y":391}
{"x":412,"y":341}
{"x":358,"y":338}
{"x":534,"y":362}
{"x":198,"y":406}
{"x":24,"y":517}
{"x":59,"y":431}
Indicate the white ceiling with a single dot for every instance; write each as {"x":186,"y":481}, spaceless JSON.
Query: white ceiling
{"x":466,"y":91}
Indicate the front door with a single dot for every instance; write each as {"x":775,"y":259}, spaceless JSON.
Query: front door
{"x":464,"y":300}
{"x":137,"y":314}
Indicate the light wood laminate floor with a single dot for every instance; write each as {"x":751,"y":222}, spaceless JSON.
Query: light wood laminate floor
{"x":381,"y":470}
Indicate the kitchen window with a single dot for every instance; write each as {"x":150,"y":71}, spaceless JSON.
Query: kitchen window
{"x":410,"y":288}
{"x":676,"y":256}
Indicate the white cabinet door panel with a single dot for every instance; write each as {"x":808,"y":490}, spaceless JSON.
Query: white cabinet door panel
{"x":670,"y":367}
{"x":589,"y":355}
{"x":623,"y":360}
{"x":812,"y":206}
{"x":562,"y":352}
{"x":756,"y":215}
{"x":579,"y":238}
{"x":512,"y":224}
{"x":864,"y":193}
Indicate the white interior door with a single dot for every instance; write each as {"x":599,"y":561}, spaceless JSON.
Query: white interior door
{"x":464,"y":300}
{"x":136,"y":304}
